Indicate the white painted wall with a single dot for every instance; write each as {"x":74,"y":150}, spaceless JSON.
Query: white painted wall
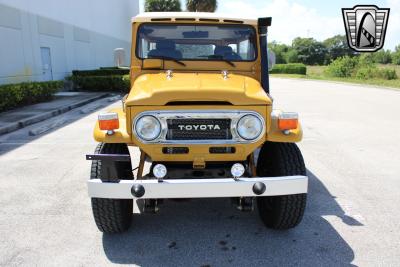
{"x":81,"y":34}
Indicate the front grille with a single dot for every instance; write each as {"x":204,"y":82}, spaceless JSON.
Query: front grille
{"x":199,"y":129}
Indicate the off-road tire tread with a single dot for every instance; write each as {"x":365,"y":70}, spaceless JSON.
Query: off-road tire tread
{"x":110,"y":215}
{"x":281,"y":159}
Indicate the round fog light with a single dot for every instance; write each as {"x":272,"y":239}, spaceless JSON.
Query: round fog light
{"x":237,"y":170}
{"x":159,"y":171}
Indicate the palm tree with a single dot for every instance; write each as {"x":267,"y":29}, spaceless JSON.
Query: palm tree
{"x":162,"y":5}
{"x":201,"y":5}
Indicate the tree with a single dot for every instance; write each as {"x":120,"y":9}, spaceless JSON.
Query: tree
{"x":283,"y":53}
{"x":337,"y":47}
{"x":162,"y":5}
{"x":280,"y":50}
{"x":310,"y":51}
{"x":291,"y":56}
{"x":201,"y":5}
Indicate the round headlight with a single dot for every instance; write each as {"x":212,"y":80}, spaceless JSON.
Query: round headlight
{"x":249,"y":127}
{"x":148,"y":128}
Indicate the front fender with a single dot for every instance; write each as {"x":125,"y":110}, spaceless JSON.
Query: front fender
{"x":120,"y":136}
{"x":277,"y":135}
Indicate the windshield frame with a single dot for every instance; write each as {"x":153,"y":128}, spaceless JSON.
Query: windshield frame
{"x":251,"y":27}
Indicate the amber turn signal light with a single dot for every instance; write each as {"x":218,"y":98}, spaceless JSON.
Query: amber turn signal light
{"x":288,"y":121}
{"x":108,"y":121}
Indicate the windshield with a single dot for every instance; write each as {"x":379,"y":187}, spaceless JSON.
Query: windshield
{"x":197,"y":42}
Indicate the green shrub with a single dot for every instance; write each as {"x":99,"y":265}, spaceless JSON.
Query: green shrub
{"x":342,"y":67}
{"x":396,"y":58}
{"x":366,"y":60}
{"x":387,"y":74}
{"x":100,"y":72}
{"x":382,"y":57}
{"x":292,"y":68}
{"x":120,"y":83}
{"x":365,"y":73}
{"x":15,"y":95}
{"x":103,"y":79}
{"x":372,"y":72}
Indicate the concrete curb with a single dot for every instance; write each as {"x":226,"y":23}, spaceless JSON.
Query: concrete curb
{"x":46,"y":128}
{"x":44,"y":116}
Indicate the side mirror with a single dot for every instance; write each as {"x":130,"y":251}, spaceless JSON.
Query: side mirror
{"x":271,"y":59}
{"x":119,"y":57}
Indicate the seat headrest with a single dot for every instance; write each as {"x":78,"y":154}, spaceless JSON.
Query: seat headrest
{"x":221,"y":50}
{"x":165,"y":44}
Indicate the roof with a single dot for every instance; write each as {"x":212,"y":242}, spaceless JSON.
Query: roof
{"x":191,"y":16}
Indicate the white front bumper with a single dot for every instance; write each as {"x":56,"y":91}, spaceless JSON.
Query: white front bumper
{"x":199,"y":188}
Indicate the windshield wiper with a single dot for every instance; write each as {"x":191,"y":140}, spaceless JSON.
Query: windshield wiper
{"x":229,"y":62}
{"x":218,"y":57}
{"x":169,"y":58}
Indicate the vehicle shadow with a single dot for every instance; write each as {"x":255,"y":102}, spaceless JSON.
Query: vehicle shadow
{"x":210,"y":232}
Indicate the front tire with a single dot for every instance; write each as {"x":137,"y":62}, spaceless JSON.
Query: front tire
{"x":281,"y":159}
{"x":112,"y":215}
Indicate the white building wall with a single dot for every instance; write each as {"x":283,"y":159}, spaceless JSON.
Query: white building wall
{"x":81,"y":34}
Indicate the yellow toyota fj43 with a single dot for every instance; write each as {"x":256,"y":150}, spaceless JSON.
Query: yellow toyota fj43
{"x":199,"y":110}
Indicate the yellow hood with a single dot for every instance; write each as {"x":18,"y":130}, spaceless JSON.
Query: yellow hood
{"x":158,"y":89}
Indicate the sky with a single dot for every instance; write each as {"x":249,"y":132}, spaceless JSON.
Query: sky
{"x":306,"y":18}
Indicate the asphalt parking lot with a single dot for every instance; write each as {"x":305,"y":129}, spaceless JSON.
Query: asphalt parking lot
{"x":351,"y":149}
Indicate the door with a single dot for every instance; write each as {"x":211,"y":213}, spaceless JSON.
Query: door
{"x":47,"y":72}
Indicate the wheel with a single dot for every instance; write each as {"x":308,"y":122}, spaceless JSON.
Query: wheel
{"x":281,"y":159}
{"x":112,"y":215}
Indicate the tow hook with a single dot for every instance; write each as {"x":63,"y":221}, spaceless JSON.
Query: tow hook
{"x":244,"y":203}
{"x":151,"y":206}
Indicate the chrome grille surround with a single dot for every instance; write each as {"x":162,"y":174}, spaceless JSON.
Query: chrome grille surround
{"x":233,"y":115}
{"x":222,"y":133}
